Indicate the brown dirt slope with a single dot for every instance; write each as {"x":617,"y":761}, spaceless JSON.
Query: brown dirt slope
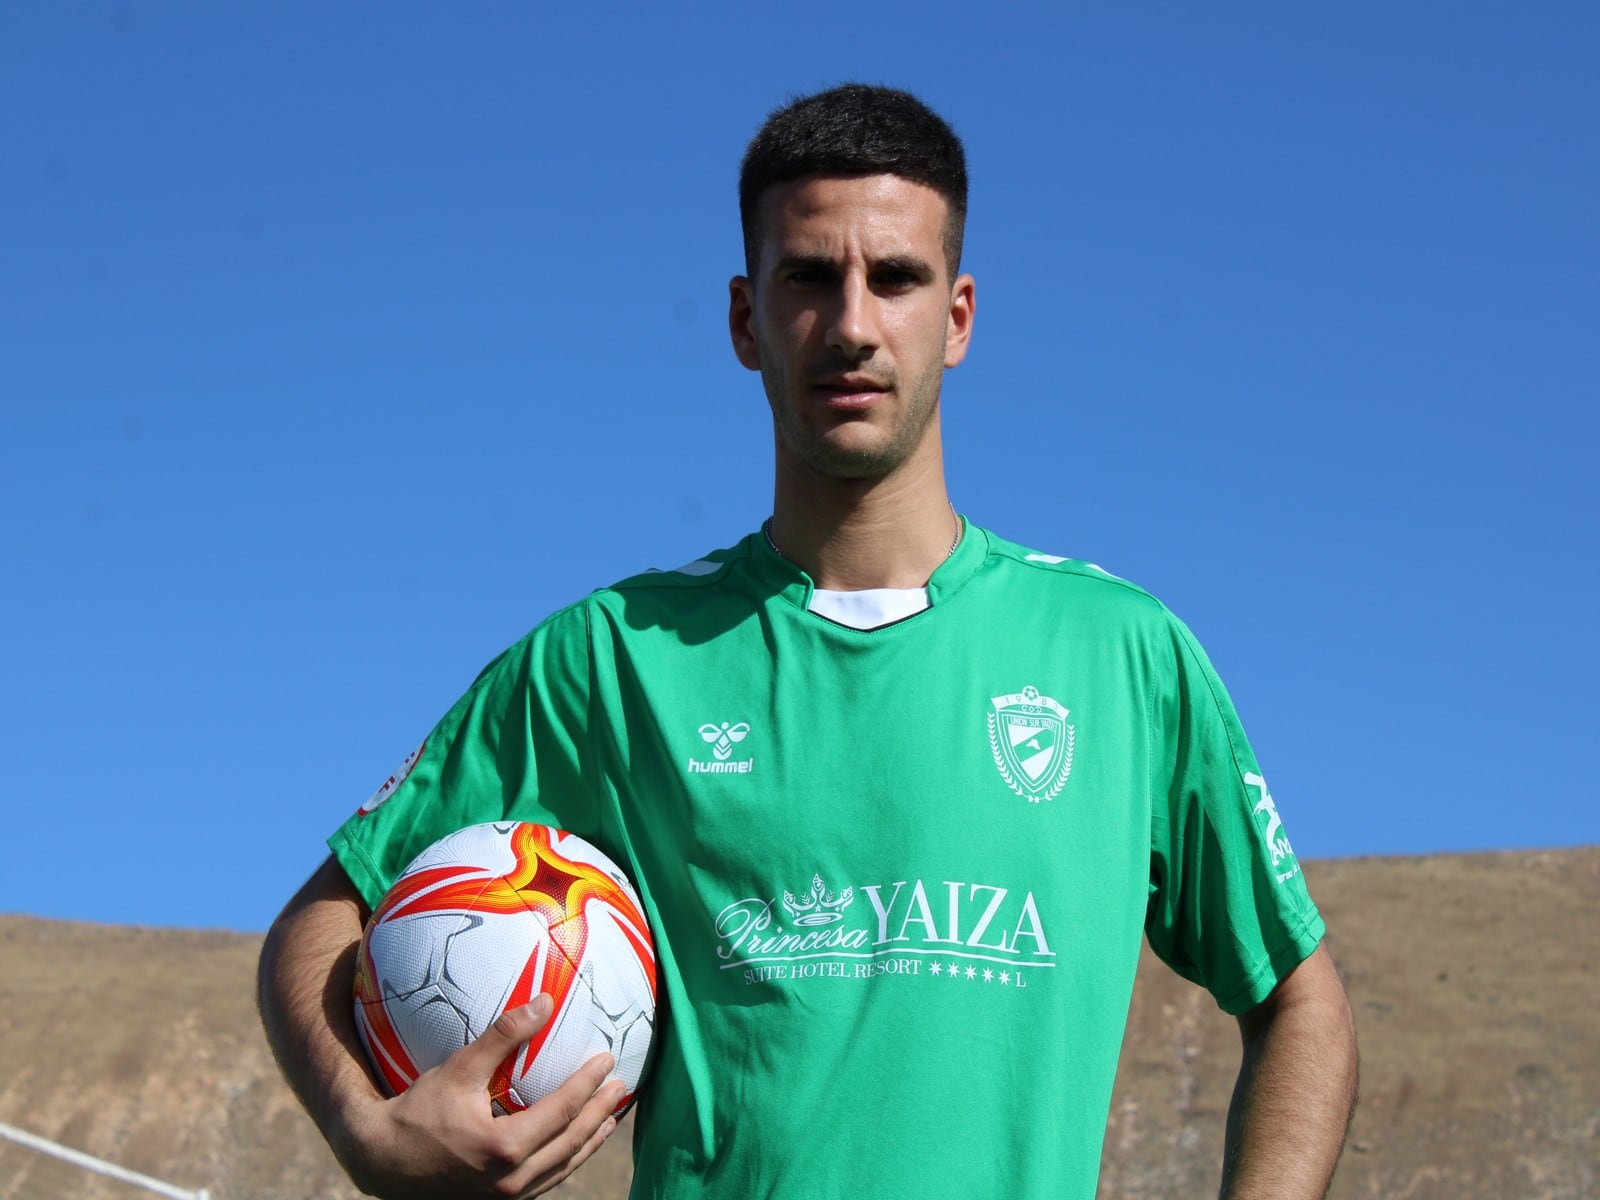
{"x":1474,"y":980}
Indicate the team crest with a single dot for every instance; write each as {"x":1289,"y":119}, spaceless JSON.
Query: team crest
{"x":1032,"y":743}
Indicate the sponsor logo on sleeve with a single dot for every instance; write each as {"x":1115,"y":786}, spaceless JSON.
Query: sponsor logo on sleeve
{"x":392,"y":784}
{"x":1272,"y":832}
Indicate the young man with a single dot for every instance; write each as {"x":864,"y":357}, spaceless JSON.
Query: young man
{"x":898,"y":918}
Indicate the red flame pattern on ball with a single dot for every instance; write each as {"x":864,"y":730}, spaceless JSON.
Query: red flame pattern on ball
{"x":541,"y":881}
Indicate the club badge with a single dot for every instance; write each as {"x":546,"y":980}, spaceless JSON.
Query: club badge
{"x":1032,"y":743}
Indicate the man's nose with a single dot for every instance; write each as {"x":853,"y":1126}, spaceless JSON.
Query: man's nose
{"x":853,"y":332}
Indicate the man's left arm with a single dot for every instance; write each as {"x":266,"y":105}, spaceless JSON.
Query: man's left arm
{"x":1296,"y":1089}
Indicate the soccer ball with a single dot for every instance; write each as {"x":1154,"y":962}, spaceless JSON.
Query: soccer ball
{"x":486,"y":919}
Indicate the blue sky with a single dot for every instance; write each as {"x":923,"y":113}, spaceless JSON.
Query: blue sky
{"x":342,"y":343}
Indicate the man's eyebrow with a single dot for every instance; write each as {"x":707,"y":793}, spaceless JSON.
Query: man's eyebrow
{"x":911,"y":264}
{"x":805,"y":262}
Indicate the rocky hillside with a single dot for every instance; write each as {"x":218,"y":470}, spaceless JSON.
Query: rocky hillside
{"x":1475,"y":980}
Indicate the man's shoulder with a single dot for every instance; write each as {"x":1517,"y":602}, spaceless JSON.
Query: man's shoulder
{"x":652,"y":600}
{"x":655,"y":597}
{"x":1036,"y":567}
{"x":708,"y":570}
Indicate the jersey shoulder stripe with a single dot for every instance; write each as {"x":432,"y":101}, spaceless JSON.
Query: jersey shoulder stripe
{"x":710,"y":568}
{"x":1061,"y":565}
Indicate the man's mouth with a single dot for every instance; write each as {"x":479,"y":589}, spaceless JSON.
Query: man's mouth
{"x":850,"y":391}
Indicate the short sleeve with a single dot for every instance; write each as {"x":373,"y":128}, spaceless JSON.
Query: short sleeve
{"x":1228,"y":905}
{"x":514,"y":747}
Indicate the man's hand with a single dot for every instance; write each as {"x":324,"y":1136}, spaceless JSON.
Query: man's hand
{"x":440,"y":1138}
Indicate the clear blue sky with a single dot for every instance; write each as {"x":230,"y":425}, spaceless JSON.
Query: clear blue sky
{"x":340,"y":344}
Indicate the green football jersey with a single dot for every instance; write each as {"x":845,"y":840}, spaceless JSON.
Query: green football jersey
{"x":898,"y":878}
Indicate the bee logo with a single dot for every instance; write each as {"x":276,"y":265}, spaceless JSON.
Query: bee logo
{"x":724,"y":737}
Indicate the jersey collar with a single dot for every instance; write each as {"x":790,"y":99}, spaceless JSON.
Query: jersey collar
{"x":795,"y":586}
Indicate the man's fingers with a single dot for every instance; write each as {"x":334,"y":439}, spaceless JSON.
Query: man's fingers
{"x":550,"y":1179}
{"x":534,"y":1149}
{"x":570,"y":1145}
{"x":506,"y":1034}
{"x":567,"y":1106}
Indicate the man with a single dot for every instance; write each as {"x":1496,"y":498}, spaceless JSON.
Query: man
{"x":898,"y":916}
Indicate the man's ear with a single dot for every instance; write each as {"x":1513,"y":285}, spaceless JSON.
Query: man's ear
{"x":958,"y":331}
{"x":741,"y":322}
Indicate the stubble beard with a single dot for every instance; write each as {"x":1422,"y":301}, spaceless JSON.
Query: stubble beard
{"x":830,"y":459}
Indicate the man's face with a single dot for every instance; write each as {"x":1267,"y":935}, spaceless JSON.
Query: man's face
{"x":851,"y":318}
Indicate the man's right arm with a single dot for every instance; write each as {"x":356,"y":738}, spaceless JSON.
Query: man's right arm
{"x":439,"y":1137}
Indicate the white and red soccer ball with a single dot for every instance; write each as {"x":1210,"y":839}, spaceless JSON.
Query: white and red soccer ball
{"x":487,"y":919}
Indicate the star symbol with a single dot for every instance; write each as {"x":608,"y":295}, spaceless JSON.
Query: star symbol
{"x":955,"y":971}
{"x":936,"y":969}
{"x":988,"y":975}
{"x":1005,"y":977}
{"x":972,"y":973}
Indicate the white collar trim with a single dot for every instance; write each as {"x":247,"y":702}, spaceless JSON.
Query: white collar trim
{"x":870,"y":608}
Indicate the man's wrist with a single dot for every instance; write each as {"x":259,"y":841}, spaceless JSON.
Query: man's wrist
{"x":353,"y":1126}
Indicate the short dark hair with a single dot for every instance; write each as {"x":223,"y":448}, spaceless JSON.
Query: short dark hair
{"x":855,"y":129}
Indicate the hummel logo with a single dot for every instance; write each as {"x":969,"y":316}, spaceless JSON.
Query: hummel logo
{"x":722,"y":739}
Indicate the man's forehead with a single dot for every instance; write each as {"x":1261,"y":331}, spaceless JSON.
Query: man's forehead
{"x":821,"y":209}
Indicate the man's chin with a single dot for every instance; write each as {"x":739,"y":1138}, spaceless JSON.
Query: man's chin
{"x":848,"y":449}
{"x":851,"y":461}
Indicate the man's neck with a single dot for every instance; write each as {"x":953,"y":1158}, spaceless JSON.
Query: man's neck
{"x":854,"y":534}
